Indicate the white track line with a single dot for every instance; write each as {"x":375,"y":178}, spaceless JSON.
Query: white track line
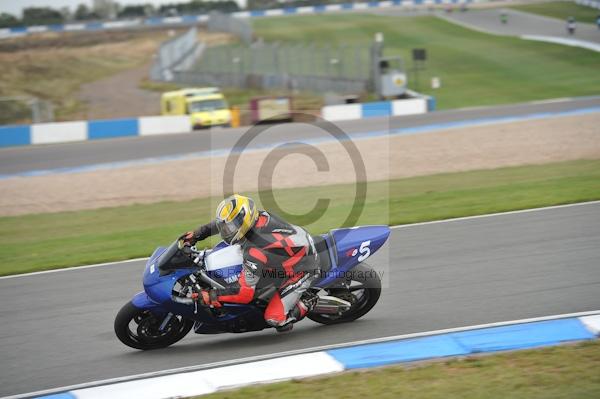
{"x":399,"y":226}
{"x":72,"y":268}
{"x":297,"y":352}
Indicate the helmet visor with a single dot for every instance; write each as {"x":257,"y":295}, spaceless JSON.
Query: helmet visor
{"x":228,"y":230}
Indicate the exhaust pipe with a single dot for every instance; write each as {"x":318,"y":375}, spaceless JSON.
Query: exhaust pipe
{"x":331,"y":305}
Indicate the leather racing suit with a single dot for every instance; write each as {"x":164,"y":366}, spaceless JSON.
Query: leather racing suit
{"x":276,"y":253}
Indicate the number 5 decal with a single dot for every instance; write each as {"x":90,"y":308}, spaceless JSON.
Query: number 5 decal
{"x":364,"y":250}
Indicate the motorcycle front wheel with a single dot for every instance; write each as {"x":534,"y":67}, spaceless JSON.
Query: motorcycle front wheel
{"x":140,"y":328}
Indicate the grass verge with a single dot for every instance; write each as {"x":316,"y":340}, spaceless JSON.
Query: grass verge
{"x":569,"y":371}
{"x":561,"y":10}
{"x":475,"y":68}
{"x":55,"y":240}
{"x":53,"y":66}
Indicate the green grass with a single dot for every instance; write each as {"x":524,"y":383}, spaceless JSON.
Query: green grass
{"x":48,"y":241}
{"x":53,"y":67}
{"x":561,"y":10}
{"x":569,"y":371}
{"x":475,"y":68}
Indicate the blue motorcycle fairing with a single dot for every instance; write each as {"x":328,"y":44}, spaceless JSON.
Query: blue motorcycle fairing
{"x":142,"y":300}
{"x":352,"y":246}
{"x":159,"y":288}
{"x":149,"y":277}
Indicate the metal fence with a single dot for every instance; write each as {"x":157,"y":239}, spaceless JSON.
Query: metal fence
{"x":259,"y":65}
{"x":219,"y":22}
{"x":342,"y":69}
{"x":24,"y":109}
{"x":179,"y":53}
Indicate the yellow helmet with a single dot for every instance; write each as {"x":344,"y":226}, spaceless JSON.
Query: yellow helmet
{"x":236,"y":215}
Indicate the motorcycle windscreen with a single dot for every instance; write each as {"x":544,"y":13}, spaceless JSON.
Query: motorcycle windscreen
{"x":173,"y":258}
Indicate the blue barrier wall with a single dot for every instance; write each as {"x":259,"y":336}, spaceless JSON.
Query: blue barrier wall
{"x":378,"y":108}
{"x":15,"y":135}
{"x":112,"y":128}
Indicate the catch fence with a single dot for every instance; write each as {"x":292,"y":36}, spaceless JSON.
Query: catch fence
{"x":178,"y":53}
{"x":219,"y":22}
{"x":301,"y":66}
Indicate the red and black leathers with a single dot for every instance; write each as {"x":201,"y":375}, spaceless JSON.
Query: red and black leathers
{"x":277,"y":254}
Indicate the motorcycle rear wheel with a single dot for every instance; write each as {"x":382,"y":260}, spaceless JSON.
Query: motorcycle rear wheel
{"x":363,"y":296}
{"x":139,"y":328}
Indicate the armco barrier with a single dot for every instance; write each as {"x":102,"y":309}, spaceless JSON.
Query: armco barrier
{"x":151,"y":125}
{"x":64,"y":132}
{"x":58,"y":132}
{"x":514,"y":335}
{"x":15,"y":135}
{"x":194,"y":19}
{"x":412,"y":106}
{"x":112,"y":128}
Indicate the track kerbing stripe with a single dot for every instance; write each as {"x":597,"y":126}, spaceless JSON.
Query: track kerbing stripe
{"x":190,"y":381}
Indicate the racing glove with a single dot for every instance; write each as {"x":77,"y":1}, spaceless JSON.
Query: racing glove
{"x":208,"y":297}
{"x":190,"y":238}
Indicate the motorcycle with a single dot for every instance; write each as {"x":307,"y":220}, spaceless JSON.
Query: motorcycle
{"x":168,"y":308}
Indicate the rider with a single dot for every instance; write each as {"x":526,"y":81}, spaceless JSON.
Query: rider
{"x":571,"y":25}
{"x":276,"y":254}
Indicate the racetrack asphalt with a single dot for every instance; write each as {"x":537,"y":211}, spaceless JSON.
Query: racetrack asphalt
{"x":521,"y":23}
{"x":57,"y":327}
{"x":19,"y":160}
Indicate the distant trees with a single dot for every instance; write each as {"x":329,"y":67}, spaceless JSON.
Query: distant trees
{"x":50,"y":16}
{"x":84,"y":13}
{"x":135,"y":11}
{"x":8,"y":21}
{"x":33,"y":16}
{"x":198,"y":7}
{"x":41,"y":16}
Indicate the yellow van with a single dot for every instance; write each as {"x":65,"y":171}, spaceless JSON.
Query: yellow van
{"x":206,"y":106}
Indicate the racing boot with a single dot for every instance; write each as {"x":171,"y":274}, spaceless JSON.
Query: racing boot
{"x":304,"y":305}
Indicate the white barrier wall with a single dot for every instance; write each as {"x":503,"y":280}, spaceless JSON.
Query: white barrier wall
{"x":271,"y":13}
{"x":420,"y":104}
{"x":409,"y":107}
{"x":152,"y":125}
{"x":304,"y":10}
{"x":342,"y":112}
{"x":59,"y":132}
{"x":333,"y":7}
